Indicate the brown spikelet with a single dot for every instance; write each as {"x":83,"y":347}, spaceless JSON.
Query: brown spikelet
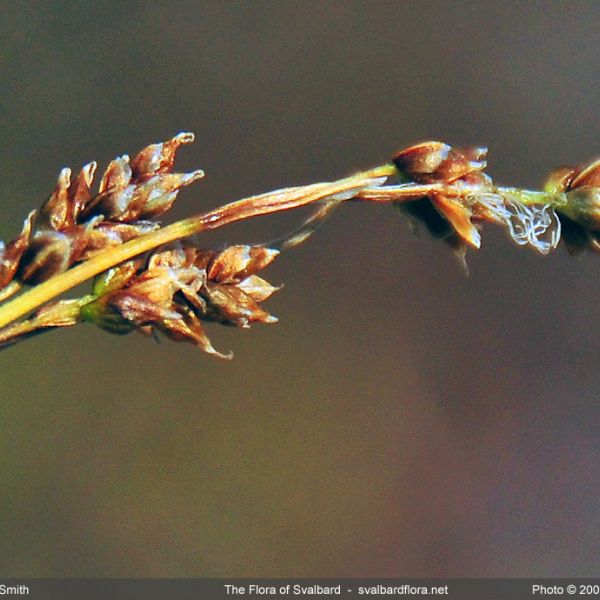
{"x":143,"y":188}
{"x":456,"y":196}
{"x":436,"y":162}
{"x":74,"y":224}
{"x":178,"y":288}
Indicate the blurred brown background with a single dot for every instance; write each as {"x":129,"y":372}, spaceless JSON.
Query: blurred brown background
{"x":401,"y":419}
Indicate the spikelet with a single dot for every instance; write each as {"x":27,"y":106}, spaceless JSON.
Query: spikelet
{"x":74,"y":223}
{"x":443,"y":212}
{"x":178,"y":288}
{"x":465,"y":196}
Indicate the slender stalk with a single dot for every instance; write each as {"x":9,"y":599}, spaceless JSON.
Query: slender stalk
{"x":534,"y":196}
{"x":61,"y":314}
{"x":246,"y":208}
{"x":404,"y":191}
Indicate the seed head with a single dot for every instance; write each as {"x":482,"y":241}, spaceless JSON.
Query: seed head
{"x":74,"y":223}
{"x":447,"y":213}
{"x":176,"y":289}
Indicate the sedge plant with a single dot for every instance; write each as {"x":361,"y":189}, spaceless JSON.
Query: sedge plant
{"x":152,"y":279}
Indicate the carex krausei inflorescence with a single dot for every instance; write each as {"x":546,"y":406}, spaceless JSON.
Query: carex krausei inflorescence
{"x":150,"y":279}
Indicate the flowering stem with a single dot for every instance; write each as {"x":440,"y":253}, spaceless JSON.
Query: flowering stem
{"x":246,"y":208}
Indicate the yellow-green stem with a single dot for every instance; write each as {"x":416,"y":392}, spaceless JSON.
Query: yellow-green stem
{"x":555,"y":199}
